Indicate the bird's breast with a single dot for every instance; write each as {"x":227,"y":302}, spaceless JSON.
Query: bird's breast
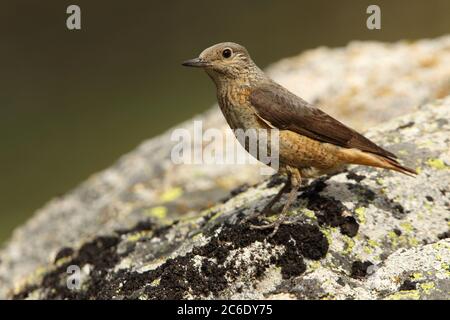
{"x":234,"y":102}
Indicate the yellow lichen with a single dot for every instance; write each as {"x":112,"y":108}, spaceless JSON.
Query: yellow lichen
{"x":309,"y":213}
{"x":327,"y":233}
{"x":372,"y":243}
{"x":427,"y":287}
{"x":138,"y":235}
{"x":62,"y":261}
{"x":437,"y":164}
{"x":349,"y":245}
{"x":405,"y":295}
{"x":393,"y":237}
{"x":215,"y":216}
{"x":361,"y":214}
{"x":155,"y":282}
{"x":407,"y":227}
{"x":171,"y":194}
{"x":417,"y":276}
{"x":413,"y":242}
{"x":367,"y":249}
{"x":159,"y":212}
{"x":314,"y":265}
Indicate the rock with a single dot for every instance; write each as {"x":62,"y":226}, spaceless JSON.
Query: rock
{"x":367,"y":83}
{"x":360,"y":234}
{"x":146,"y":228}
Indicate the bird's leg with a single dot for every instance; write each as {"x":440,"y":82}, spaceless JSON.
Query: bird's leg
{"x":296,"y":182}
{"x":268,"y":207}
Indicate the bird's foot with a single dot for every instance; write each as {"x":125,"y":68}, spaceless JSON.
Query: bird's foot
{"x":275,"y":225}
{"x":265,"y":212}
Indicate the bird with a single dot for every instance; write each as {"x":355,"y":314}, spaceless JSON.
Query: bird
{"x":311,"y":142}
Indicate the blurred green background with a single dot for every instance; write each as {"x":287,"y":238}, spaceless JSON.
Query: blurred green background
{"x":72,"y":102}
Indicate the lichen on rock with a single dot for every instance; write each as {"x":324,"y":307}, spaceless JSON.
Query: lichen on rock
{"x":147,"y":229}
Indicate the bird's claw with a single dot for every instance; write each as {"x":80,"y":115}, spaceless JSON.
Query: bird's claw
{"x":275,"y":225}
{"x":257,"y":215}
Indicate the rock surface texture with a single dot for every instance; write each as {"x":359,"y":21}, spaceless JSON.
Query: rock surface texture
{"x":149,"y":229}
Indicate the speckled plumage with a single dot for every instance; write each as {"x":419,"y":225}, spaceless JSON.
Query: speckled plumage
{"x":311,"y":142}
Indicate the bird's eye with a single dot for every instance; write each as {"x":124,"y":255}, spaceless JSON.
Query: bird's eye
{"x":226,"y":53}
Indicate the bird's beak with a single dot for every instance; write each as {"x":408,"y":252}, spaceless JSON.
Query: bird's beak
{"x":197,"y":63}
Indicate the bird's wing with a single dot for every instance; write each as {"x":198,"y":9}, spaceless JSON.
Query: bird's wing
{"x":285,"y":111}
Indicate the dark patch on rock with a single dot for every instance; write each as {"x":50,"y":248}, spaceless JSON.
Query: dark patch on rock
{"x":362,"y":192}
{"x":359,"y":268}
{"x":181,"y":275}
{"x":145,"y":225}
{"x":178,"y":276}
{"x":291,"y":263}
{"x":307,"y":239}
{"x":213,"y":249}
{"x":340,"y":282}
{"x":354,"y":176}
{"x":100,"y":253}
{"x":234,"y":192}
{"x":63,"y":253}
{"x":367,"y":196}
{"x":397,"y":210}
{"x":329,"y":211}
{"x":276,"y":180}
{"x":429,"y":198}
{"x":444,"y":235}
{"x":398,"y":232}
{"x":408,"y":285}
{"x":406,"y":125}
{"x":441,"y":122}
{"x":349,"y":227}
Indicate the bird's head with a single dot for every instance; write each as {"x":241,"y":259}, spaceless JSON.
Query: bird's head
{"x":224,"y":61}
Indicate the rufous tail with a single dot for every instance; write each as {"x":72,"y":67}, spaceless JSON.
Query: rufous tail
{"x":355,"y":156}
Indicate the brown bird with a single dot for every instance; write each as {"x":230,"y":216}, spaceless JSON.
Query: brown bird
{"x":311,"y":143}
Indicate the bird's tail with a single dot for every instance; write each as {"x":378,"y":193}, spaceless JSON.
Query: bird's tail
{"x":375,"y":160}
